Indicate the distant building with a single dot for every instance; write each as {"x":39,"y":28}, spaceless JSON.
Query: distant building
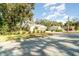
{"x":53,"y":28}
{"x":41,"y":27}
{"x":71,"y":28}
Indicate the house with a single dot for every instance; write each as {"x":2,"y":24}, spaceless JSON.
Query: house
{"x":31,"y":26}
{"x":40,"y":27}
{"x":71,"y":28}
{"x":53,"y":28}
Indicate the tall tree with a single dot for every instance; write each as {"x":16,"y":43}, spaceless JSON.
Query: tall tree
{"x":12,"y":13}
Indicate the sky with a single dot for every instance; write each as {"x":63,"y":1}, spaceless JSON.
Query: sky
{"x":56,"y":11}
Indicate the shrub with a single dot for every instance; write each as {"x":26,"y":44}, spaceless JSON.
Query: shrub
{"x":58,"y":30}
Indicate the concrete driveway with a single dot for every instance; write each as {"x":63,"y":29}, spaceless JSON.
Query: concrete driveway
{"x":42,"y":46}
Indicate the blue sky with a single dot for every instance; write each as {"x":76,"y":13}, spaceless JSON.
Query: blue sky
{"x":56,"y":11}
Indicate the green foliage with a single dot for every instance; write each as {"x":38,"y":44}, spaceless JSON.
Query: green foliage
{"x":72,"y":22}
{"x":58,"y":30}
{"x":44,"y":22}
{"x":49,"y":23}
{"x":13,"y":13}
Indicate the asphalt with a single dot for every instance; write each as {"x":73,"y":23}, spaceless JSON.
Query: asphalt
{"x":55,"y":45}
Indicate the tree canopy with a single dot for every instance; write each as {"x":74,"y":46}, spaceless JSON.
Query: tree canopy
{"x":12,"y":13}
{"x":48,"y":23}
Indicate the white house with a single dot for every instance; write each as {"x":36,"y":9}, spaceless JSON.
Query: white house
{"x":41,"y":27}
{"x":31,"y":26}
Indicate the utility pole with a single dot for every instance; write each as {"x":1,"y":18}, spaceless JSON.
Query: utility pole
{"x":68,"y":25}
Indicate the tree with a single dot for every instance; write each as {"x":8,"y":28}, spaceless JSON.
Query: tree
{"x":72,"y":22}
{"x":12,"y":13}
{"x":55,"y":23}
{"x":45,"y":22}
{"x":76,"y":23}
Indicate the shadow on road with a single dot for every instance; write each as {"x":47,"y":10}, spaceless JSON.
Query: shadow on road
{"x":70,"y":35}
{"x":43,"y":47}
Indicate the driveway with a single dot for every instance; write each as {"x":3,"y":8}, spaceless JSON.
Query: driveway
{"x":41,"y":46}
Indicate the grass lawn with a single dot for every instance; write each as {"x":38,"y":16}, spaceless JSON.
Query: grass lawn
{"x":25,"y":34}
{"x":21,"y":35}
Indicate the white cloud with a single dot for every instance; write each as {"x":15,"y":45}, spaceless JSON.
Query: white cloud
{"x":65,"y":17}
{"x":49,"y":16}
{"x":60,"y":7}
{"x":58,"y":10}
{"x":54,"y":15}
{"x":49,"y":4}
{"x":55,"y":11}
{"x":57,"y":14}
{"x":44,"y":13}
{"x":53,"y":7}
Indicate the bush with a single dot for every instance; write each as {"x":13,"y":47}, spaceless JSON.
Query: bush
{"x":58,"y":30}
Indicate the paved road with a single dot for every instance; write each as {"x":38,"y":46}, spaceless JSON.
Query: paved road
{"x":42,"y":46}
